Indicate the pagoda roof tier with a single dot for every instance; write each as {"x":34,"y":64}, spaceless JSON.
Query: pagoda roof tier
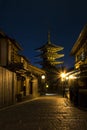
{"x":51,"y":63}
{"x":54,"y":55}
{"x":58,"y":62}
{"x":49,"y":53}
{"x":50,"y":47}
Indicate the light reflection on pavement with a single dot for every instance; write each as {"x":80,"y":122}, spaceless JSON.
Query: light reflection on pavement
{"x":43,"y":113}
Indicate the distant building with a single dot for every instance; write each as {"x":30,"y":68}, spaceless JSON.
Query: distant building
{"x":49,"y":60}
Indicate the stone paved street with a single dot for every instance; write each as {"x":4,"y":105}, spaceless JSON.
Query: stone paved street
{"x":43,"y":113}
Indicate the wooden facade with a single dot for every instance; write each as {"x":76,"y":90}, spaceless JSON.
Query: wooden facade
{"x":79,"y":49}
{"x":77,"y":78}
{"x":7,"y":87}
{"x":18,"y":77}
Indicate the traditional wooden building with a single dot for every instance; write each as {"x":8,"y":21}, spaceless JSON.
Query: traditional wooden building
{"x":9,"y":50}
{"x":79,"y":49}
{"x":78,"y":77}
{"x":27,"y":78}
{"x":49,"y":54}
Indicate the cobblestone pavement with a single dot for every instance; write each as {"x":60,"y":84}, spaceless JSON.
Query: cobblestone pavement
{"x":43,"y":113}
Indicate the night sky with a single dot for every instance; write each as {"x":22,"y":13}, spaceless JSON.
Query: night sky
{"x":28,"y":22}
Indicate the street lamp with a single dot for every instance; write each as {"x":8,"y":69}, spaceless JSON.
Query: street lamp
{"x":47,"y":86}
{"x":43,"y":77}
{"x":63,"y":76}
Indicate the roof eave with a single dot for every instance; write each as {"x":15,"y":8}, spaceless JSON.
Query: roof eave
{"x":79,"y":41}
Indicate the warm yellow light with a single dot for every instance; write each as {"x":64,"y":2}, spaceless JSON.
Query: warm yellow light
{"x":43,"y":76}
{"x":47,"y":86}
{"x":67,"y":78}
{"x":63,"y":75}
{"x":72,"y":77}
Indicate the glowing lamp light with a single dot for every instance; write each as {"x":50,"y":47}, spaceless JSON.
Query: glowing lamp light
{"x":63,"y":75}
{"x":67,"y":78}
{"x":72,"y":77}
{"x":47,"y":86}
{"x":43,"y":76}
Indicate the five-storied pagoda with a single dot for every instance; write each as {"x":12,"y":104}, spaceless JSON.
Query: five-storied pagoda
{"x":50,"y":61}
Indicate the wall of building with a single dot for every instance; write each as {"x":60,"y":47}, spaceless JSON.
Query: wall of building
{"x":81,"y":56}
{"x":7,"y":87}
{"x":15,"y":81}
{"x":35,"y":87}
{"x":3,"y":56}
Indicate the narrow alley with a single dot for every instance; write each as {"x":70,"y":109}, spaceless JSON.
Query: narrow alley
{"x":43,"y":113}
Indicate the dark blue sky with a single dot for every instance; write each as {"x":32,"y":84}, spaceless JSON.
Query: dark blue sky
{"x":28,"y":21}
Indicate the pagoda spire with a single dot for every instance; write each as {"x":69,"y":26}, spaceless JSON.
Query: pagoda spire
{"x":49,"y":42}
